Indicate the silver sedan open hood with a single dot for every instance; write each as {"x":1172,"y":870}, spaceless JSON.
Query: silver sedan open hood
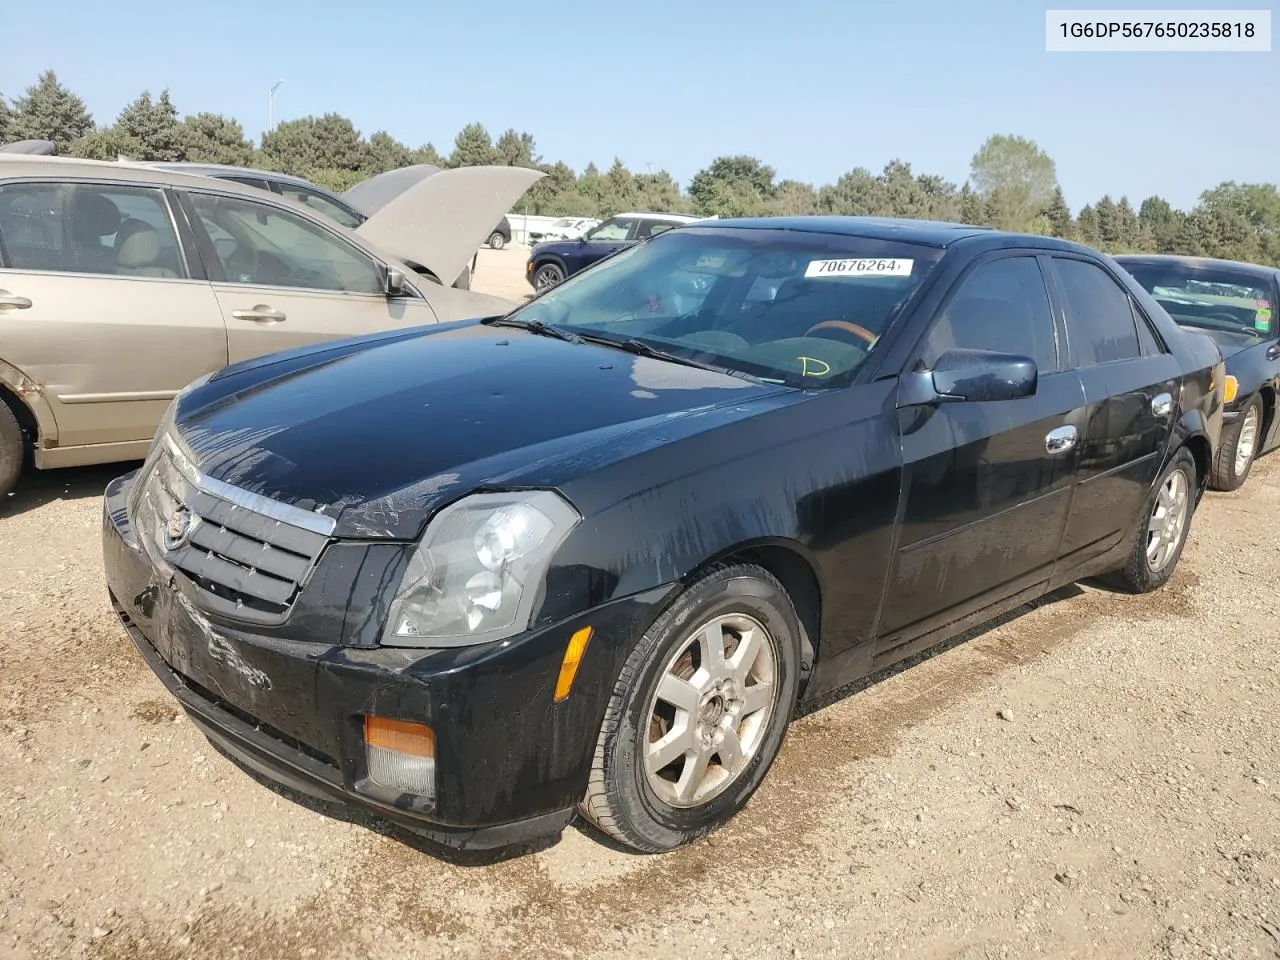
{"x":438,"y":218}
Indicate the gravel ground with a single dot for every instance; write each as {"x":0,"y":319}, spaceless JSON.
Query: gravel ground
{"x":1095,"y":777}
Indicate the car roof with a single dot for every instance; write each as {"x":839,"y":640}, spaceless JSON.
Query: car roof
{"x":934,"y":233}
{"x":223,"y":170}
{"x":20,"y":165}
{"x":650,"y":215}
{"x":1200,"y":263}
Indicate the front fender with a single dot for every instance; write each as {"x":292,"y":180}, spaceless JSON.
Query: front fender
{"x":818,"y":478}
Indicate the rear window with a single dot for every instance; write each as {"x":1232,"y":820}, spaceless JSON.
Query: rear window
{"x":1209,"y":297}
{"x":780,"y":305}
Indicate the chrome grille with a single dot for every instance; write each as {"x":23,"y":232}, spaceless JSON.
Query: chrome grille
{"x":246,"y":555}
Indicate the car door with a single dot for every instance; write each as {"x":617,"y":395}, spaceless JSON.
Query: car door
{"x":102,"y":307}
{"x":284,"y":280}
{"x":1132,"y":386}
{"x":986,"y":485}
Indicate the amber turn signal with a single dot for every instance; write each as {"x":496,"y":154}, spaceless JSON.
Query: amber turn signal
{"x":572,"y":658}
{"x":401,"y":736}
{"x":1232,"y":388}
{"x":401,"y":755}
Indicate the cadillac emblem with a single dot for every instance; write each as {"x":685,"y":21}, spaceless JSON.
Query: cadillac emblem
{"x":178,"y":530}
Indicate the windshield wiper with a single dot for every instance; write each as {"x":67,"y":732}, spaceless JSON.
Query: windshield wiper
{"x":643,"y":349}
{"x":535,"y":327}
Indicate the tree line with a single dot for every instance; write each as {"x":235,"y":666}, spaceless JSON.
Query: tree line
{"x":1012,"y":183}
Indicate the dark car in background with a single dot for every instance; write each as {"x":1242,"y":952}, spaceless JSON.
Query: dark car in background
{"x":1234,"y":303}
{"x":501,"y":235}
{"x":551,"y":262}
{"x":590,"y":555}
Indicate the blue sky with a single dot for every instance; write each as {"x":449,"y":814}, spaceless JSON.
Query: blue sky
{"x":812,"y":87}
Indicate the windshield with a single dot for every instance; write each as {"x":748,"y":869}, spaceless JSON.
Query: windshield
{"x":780,"y":305}
{"x":1212,"y":298}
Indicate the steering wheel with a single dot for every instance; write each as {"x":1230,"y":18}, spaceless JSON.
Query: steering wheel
{"x":845,"y":326}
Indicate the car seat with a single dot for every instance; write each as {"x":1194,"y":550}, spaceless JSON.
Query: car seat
{"x":137,"y":248}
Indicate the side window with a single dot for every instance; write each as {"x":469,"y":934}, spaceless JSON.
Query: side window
{"x":1000,"y":306}
{"x":651,"y":228}
{"x":257,"y":182}
{"x":1146,"y":339}
{"x":31,"y":226}
{"x":260,"y":243}
{"x":616,"y":229}
{"x":1100,"y":320}
{"x":320,"y":203}
{"x":90,"y":228}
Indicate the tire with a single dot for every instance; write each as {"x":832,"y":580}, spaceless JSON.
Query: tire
{"x":645,"y":810}
{"x":1238,"y":449}
{"x":13,"y":449}
{"x":547,"y":275}
{"x":1142,"y":573}
{"x":496,"y":240}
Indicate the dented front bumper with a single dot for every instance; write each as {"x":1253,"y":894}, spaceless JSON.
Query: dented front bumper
{"x":510,"y":762}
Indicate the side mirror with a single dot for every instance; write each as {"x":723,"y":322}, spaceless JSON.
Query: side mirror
{"x":970,"y":375}
{"x":395,"y":282}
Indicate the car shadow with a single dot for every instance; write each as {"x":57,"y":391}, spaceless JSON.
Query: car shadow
{"x":37,"y":488}
{"x":480,"y":858}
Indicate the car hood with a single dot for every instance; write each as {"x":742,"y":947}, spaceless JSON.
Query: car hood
{"x":1229,"y":343}
{"x":439,"y":218}
{"x":381,"y":432}
{"x":560,"y":246}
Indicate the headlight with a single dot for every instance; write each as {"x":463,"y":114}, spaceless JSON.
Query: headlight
{"x":475,"y":575}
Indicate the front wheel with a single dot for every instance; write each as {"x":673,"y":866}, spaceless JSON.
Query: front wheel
{"x":698,"y":712}
{"x":497,"y":240}
{"x":1162,"y":528}
{"x":547,"y":275}
{"x":1238,"y":449}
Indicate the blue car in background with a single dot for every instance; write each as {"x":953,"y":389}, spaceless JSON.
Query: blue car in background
{"x":549,"y":263}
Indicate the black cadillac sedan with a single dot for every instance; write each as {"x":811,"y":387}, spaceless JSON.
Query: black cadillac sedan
{"x":1232,"y":303}
{"x":590,"y":555}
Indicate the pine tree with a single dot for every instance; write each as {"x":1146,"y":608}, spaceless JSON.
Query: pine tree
{"x":1061,"y":223}
{"x":153,"y":125}
{"x":49,"y":111}
{"x":473,"y":147}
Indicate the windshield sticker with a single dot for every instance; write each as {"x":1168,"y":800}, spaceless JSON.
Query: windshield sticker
{"x":859,"y":268}
{"x":1262,"y":320}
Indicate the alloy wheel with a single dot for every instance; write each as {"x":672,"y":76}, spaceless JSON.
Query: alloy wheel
{"x":1247,"y":441}
{"x":711,"y":710}
{"x":1168,"y":518}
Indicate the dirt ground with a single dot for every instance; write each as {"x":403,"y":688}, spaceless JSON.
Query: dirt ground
{"x":1095,"y":777}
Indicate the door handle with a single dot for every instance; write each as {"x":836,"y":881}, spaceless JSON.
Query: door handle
{"x":261,"y":313}
{"x":9,"y":302}
{"x":1273,"y":352}
{"x":1060,"y":439}
{"x":1162,"y":404}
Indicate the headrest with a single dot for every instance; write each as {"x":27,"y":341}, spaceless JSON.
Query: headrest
{"x":93,"y":214}
{"x":137,"y":244}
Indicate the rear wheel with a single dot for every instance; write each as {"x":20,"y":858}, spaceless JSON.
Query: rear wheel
{"x":497,"y":240}
{"x":1238,"y":449}
{"x":13,"y":449}
{"x":1162,"y":529}
{"x":698,"y":712}
{"x":547,"y":275}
